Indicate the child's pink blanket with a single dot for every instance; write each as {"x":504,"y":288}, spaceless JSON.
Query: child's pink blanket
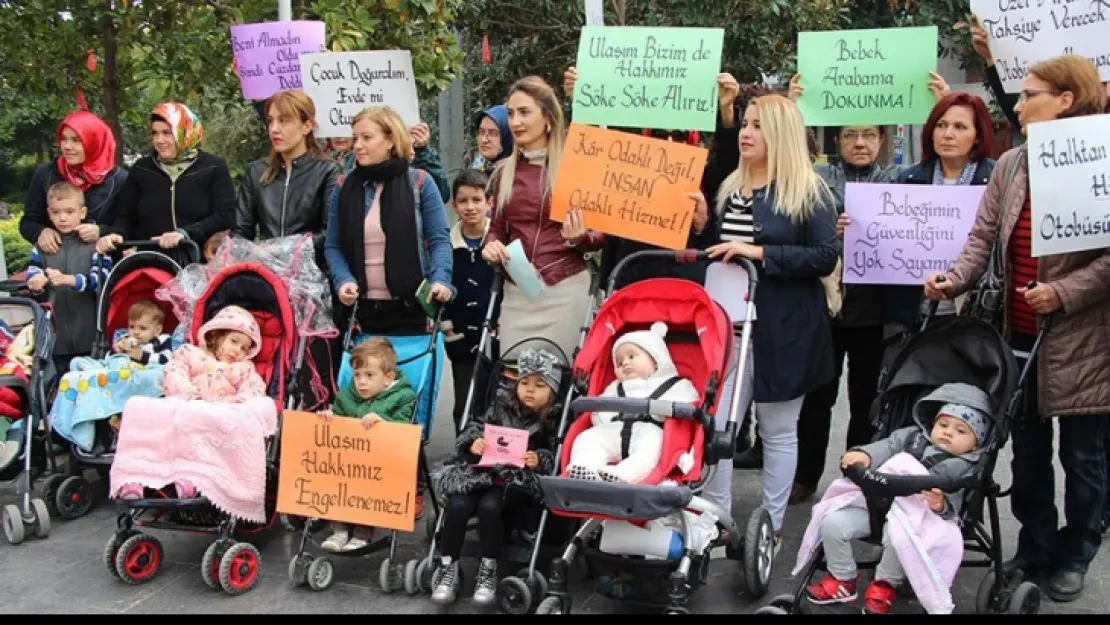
{"x":929,"y":548}
{"x":219,"y":447}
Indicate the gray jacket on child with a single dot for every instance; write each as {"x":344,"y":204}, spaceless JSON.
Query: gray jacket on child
{"x":916,"y":441}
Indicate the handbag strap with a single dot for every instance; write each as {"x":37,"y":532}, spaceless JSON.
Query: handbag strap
{"x":1012,"y":174}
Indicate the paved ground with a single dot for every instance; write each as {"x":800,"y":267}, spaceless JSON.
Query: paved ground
{"x":64,"y":573}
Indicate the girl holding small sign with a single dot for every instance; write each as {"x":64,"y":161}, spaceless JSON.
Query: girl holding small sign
{"x":776,"y":211}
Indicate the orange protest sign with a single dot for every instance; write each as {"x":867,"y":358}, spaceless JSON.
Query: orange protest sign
{"x":340,"y":471}
{"x":628,"y":185}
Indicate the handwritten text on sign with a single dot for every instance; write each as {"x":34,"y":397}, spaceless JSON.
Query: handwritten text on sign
{"x":342,"y":84}
{"x":867,"y":77}
{"x":1069,"y":184}
{"x":266,"y":55}
{"x":648,"y":77}
{"x":903,"y":233}
{"x":1025,"y":32}
{"x":628,"y":185}
{"x":340,"y":471}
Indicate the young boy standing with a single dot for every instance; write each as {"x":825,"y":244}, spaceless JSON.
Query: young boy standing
{"x":378,"y":392}
{"x":75,"y":272}
{"x":472,"y":278}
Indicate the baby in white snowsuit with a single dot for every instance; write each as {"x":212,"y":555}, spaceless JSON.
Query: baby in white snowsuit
{"x":644,"y":369}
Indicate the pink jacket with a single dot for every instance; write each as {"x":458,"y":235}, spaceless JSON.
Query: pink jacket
{"x":929,"y":548}
{"x":193,"y":373}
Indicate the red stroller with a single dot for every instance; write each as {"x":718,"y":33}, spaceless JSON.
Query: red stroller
{"x":700,"y":341}
{"x":135,"y":556}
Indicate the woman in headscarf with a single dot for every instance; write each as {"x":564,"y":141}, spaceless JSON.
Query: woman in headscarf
{"x":177,"y":193}
{"x":88,"y":161}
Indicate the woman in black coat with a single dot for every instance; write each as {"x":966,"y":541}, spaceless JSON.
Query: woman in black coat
{"x":776,"y":211}
{"x":177,"y":194}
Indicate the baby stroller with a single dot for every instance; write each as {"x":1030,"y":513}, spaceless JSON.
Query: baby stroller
{"x":700,"y":341}
{"x":136,"y":556}
{"x":34,"y":458}
{"x":420,"y":359}
{"x":948,"y":349}
{"x":135,"y":277}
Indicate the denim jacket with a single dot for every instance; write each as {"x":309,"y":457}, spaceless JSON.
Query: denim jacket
{"x":431,"y":222}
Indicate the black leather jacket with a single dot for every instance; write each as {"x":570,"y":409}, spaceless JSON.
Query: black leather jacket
{"x":295,"y":202}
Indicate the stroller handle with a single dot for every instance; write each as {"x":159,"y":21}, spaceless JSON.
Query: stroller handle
{"x":687,"y":256}
{"x":151,"y":244}
{"x":626,"y":405}
{"x":876,"y":484}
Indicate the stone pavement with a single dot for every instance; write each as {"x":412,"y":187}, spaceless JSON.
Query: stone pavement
{"x":64,"y":573}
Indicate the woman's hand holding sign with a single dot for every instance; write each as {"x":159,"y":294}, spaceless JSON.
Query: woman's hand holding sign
{"x":574,"y":227}
{"x":701,"y":211}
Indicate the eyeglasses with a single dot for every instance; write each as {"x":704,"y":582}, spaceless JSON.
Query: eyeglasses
{"x":489,"y":134}
{"x":853,"y":135}
{"x":1027,"y":94}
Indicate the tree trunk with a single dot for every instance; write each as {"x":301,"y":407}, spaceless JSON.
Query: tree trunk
{"x":110,"y":81}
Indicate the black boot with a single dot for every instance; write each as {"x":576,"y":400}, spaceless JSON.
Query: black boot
{"x":752,"y":458}
{"x":1065,"y":586}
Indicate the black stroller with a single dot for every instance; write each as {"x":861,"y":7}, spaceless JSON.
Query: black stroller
{"x":948,"y":349}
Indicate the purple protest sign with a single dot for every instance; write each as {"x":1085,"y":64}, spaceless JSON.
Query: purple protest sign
{"x":903,"y":233}
{"x":266,"y":55}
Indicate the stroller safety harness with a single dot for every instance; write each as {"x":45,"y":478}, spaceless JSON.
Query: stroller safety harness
{"x":632,"y":419}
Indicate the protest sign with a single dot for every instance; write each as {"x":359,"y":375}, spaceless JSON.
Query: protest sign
{"x":627,"y":185}
{"x":341,"y":471}
{"x":595,"y":12}
{"x":903,"y":233}
{"x":505,"y":446}
{"x":342,"y":84}
{"x":1021,"y":33}
{"x":266,"y":55}
{"x":867,"y":77}
{"x":648,"y":77}
{"x":1069,"y":184}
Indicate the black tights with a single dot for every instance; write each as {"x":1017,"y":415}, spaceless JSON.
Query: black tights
{"x":491,"y":506}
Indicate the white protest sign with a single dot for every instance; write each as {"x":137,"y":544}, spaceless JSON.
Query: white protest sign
{"x":343,"y":83}
{"x":1025,"y":32}
{"x":595,"y":12}
{"x":1069,"y":184}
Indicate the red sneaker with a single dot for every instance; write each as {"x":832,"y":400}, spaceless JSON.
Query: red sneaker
{"x":831,"y":590}
{"x":878,"y":597}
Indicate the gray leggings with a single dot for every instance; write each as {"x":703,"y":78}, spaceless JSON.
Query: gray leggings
{"x":839,"y":529}
{"x":777,"y":424}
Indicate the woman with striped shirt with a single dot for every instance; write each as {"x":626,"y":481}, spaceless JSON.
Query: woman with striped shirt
{"x":776,"y":211}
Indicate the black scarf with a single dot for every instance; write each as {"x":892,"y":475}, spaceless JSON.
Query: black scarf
{"x":403,"y":274}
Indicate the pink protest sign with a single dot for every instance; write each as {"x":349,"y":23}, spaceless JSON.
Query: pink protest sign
{"x":903,"y":233}
{"x":505,"y":446}
{"x":266,"y":54}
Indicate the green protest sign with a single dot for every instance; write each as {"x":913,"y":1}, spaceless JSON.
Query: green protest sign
{"x":648,"y":77}
{"x":867,"y":77}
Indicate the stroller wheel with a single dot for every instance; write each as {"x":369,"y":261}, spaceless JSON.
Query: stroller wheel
{"x":985,"y":598}
{"x":771,"y":609}
{"x":537,"y":583}
{"x":41,"y":525}
{"x":139,"y":559}
{"x":1026,"y":599}
{"x":387,"y":577}
{"x":74,"y":498}
{"x":112,"y":548}
{"x":784,"y":601}
{"x":49,"y":491}
{"x":424,"y":572}
{"x":759,"y":552}
{"x":321,"y":573}
{"x":210,"y":564}
{"x":550,"y":605}
{"x":13,"y":524}
{"x":298,"y":569}
{"x":411,"y":582}
{"x":677,"y":611}
{"x":514,"y":596}
{"x":239,"y":568}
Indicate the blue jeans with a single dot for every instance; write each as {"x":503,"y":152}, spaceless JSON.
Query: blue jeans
{"x":1082,"y":454}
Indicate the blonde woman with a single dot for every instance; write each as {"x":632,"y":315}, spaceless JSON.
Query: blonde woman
{"x":383,"y":239}
{"x":521,"y":188}
{"x":776,"y":211}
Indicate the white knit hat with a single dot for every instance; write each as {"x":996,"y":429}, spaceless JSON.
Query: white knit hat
{"x":651,"y":341}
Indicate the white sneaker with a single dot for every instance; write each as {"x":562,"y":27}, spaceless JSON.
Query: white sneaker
{"x":485,"y":589}
{"x":355,"y":543}
{"x":336,"y":542}
{"x":445,"y":582}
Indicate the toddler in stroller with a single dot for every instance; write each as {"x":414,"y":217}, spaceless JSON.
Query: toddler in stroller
{"x":499,"y":492}
{"x":945,"y":443}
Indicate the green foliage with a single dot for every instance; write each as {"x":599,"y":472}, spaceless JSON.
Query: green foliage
{"x":17,"y":252}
